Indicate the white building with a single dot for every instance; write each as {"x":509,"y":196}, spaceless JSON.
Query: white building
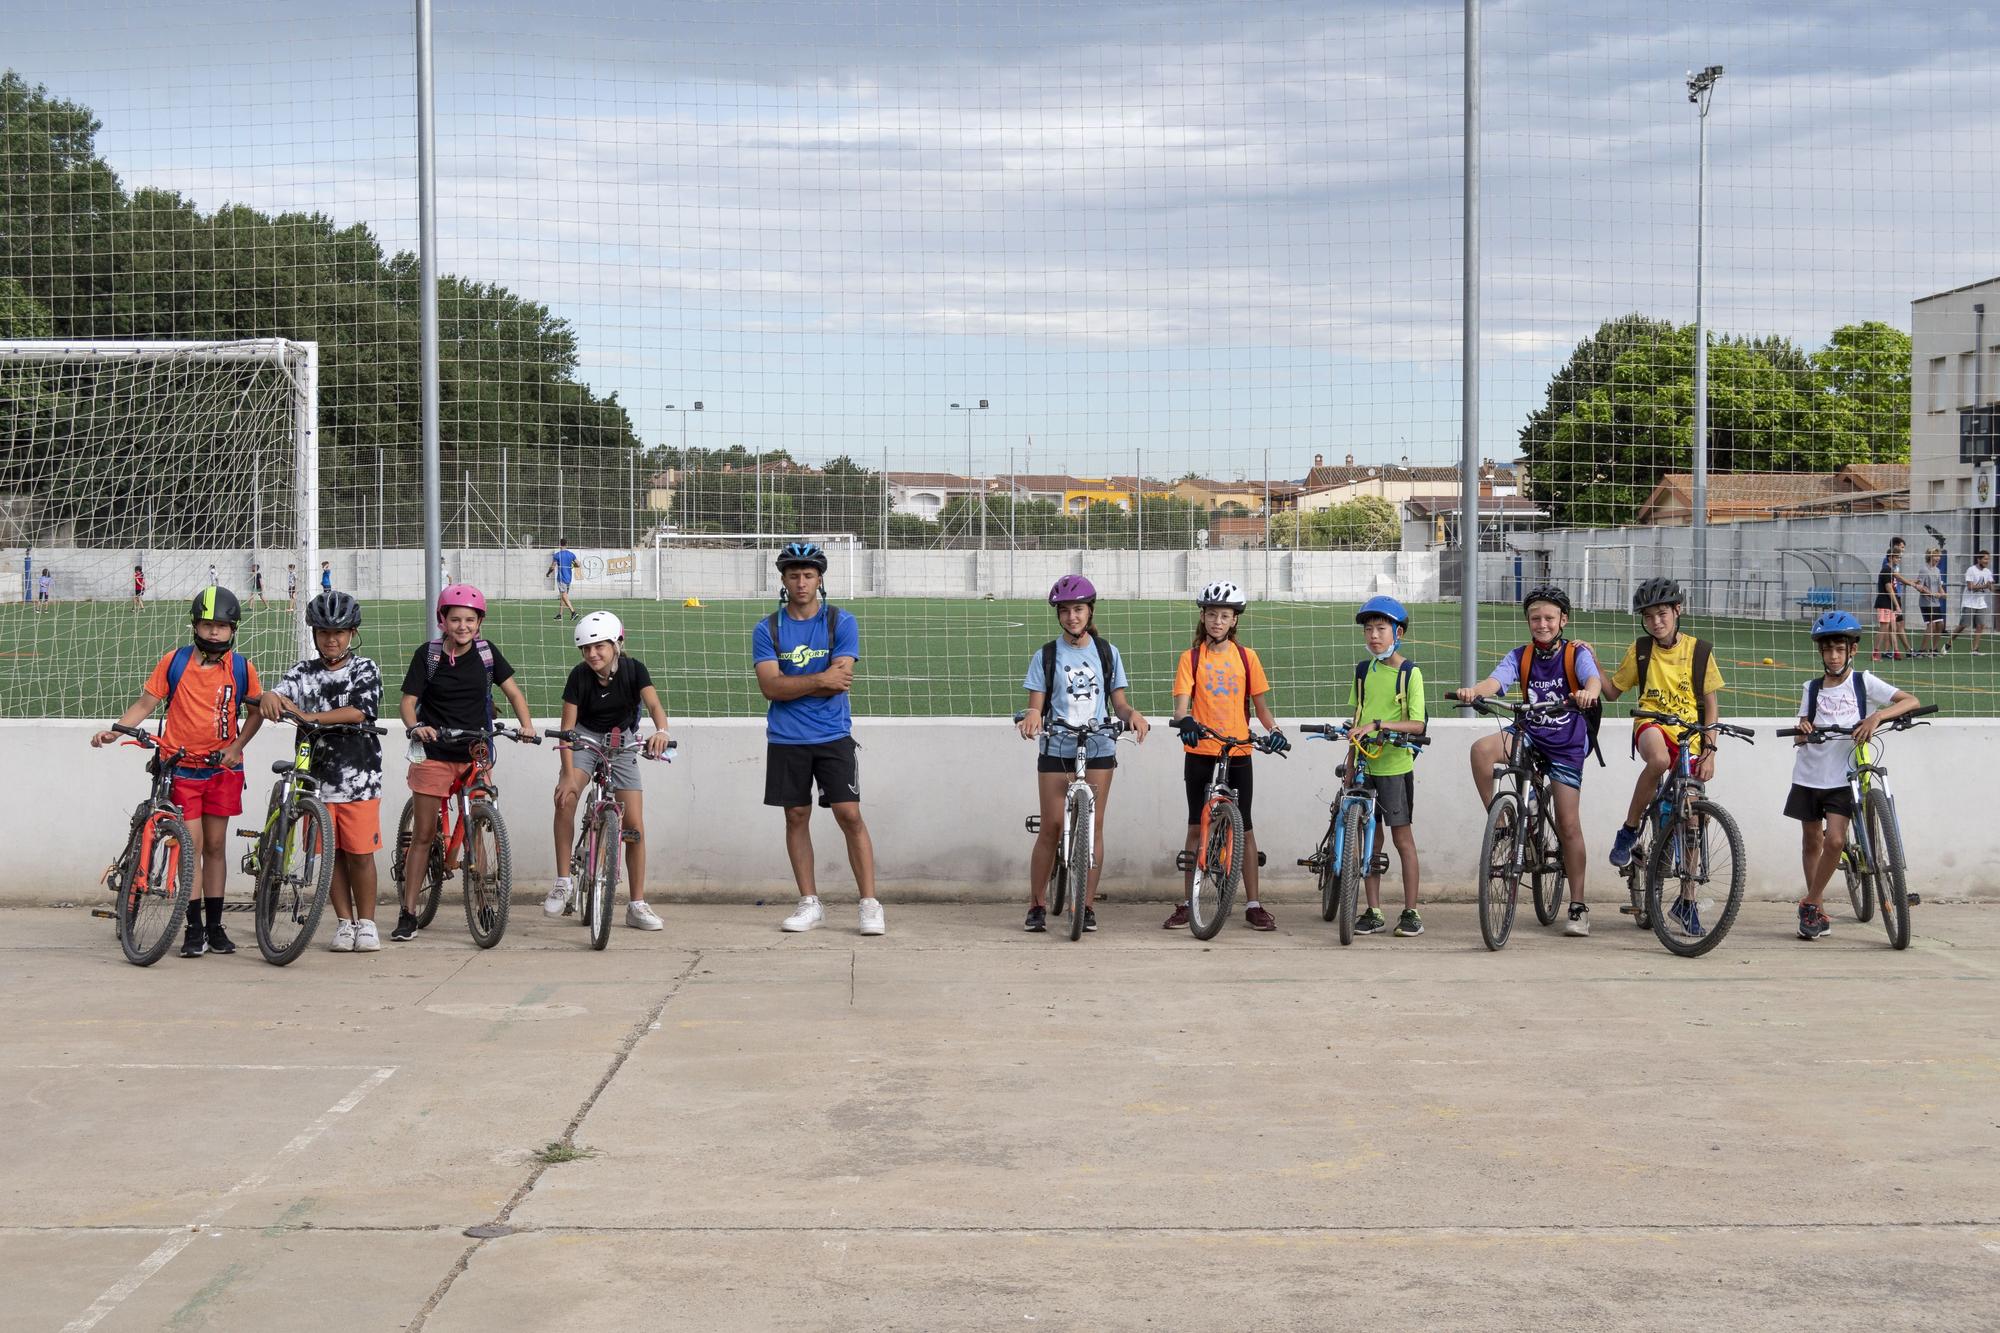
{"x":1954,"y":368}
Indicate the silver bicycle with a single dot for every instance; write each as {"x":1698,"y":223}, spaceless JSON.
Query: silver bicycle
{"x":1069,"y":873}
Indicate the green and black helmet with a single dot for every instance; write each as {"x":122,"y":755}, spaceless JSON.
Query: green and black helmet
{"x":216,"y":603}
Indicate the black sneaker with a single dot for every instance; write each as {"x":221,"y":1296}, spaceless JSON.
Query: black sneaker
{"x":1409,"y":924}
{"x":195,"y":943}
{"x":1813,"y":923}
{"x":219,"y":941}
{"x":406,"y":926}
{"x":1038,"y":920}
{"x":1370,"y":922}
{"x":1089,"y":919}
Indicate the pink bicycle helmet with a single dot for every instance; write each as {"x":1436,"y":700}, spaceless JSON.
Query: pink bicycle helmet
{"x":1072,"y":588}
{"x":461,"y":594}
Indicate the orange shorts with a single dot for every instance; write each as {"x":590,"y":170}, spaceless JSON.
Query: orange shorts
{"x":357,"y":826}
{"x":433,"y":777}
{"x":219,"y":794}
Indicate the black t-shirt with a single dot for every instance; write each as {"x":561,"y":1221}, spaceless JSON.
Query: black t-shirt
{"x":458,"y":695}
{"x":599,"y":706}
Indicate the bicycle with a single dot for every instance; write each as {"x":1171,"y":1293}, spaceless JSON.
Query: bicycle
{"x":153,"y":877}
{"x":1872,"y":861}
{"x":1681,"y":825}
{"x":593,"y":862}
{"x":1079,"y":827}
{"x":471,"y":837}
{"x":1348,"y":853}
{"x":1217,"y":858}
{"x":291,"y":859}
{"x":1520,"y":838}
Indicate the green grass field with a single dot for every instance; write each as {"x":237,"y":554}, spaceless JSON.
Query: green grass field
{"x":941,"y":657}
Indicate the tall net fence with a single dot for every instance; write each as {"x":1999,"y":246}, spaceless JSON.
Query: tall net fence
{"x":992,"y":293}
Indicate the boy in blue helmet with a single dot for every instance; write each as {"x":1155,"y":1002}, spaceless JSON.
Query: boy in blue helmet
{"x":1820,"y":799}
{"x":1387,"y":695}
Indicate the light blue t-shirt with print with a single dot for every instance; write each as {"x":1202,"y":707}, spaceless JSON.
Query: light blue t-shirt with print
{"x":1079,"y":696}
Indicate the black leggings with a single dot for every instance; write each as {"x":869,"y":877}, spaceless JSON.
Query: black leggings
{"x":1197,"y":769}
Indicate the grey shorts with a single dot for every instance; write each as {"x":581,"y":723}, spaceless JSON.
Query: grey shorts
{"x":624,"y":767}
{"x":1395,"y":798}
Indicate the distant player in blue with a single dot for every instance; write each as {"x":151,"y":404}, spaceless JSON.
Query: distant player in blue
{"x":326,"y":576}
{"x":563,"y":565}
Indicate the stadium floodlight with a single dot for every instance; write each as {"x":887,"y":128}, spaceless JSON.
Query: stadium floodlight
{"x":968,"y":466}
{"x":1701,"y":87}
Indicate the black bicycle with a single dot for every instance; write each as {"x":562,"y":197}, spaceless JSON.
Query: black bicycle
{"x":1217,"y":860}
{"x":291,"y":859}
{"x":1521,"y":839}
{"x":1696,"y":848}
{"x":153,"y":877}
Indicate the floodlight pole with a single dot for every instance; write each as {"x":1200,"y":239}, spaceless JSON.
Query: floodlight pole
{"x":977,"y":406}
{"x":1701,"y":87}
{"x":427,"y":304}
{"x":1468,"y":463}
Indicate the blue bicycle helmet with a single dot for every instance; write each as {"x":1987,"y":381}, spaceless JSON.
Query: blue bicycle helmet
{"x":1386,"y":607}
{"x":1836,"y":625}
{"x":802,"y":553}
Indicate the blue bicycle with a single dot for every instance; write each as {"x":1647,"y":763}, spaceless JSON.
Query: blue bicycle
{"x":1347,"y":853}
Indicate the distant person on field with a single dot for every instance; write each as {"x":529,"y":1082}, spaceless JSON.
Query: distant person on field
{"x":212,"y":578}
{"x":1889,"y":584}
{"x":562,"y":564}
{"x":139,"y":592}
{"x":1930,"y":601}
{"x":257,"y":583}
{"x":292,"y":587}
{"x":1974,"y":611}
{"x":44,"y":588}
{"x":326,"y":576}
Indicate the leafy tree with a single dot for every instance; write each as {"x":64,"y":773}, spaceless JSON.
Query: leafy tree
{"x":1365,"y":523}
{"x":1864,"y":373}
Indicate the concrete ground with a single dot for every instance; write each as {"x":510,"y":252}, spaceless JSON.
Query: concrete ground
{"x":962,"y":1126}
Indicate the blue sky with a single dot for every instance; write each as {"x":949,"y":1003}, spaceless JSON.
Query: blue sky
{"x":1196,"y":234}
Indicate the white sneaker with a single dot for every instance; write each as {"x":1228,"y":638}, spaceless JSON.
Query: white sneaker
{"x":365,"y":938}
{"x":1579,"y":920}
{"x":558,"y":900}
{"x":641,"y":916}
{"x":871,"y":917}
{"x":343,"y":938}
{"x":806,"y":916}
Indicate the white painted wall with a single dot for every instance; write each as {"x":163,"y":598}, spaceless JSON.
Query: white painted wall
{"x":945,"y":800}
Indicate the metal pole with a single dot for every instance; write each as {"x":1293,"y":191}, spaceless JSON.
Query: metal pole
{"x":1267,"y":524}
{"x":380,"y":513}
{"x":305,"y":416}
{"x":758,"y":526}
{"x":1139,"y":517}
{"x":1013,"y":517}
{"x":1700,"y":88}
{"x":1468,"y":462}
{"x":427,"y":317}
{"x":506,"y":536}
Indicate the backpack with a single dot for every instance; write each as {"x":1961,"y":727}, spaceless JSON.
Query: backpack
{"x":1703,"y":650}
{"x":1595,"y":713}
{"x":1812,"y":697}
{"x":1361,"y":669}
{"x":434,"y":656}
{"x":832,"y":631}
{"x":1049,"y":673}
{"x":177,"y":665}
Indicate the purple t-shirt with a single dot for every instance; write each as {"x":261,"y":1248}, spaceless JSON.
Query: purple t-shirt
{"x":1566,"y":741}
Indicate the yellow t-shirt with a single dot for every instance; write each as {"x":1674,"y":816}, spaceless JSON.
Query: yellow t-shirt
{"x":1220,"y":700}
{"x":1669,"y":678}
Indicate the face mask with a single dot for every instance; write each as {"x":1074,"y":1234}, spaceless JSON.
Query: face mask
{"x":1390,"y":651}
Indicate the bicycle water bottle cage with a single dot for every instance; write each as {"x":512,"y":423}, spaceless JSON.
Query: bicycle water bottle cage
{"x":1034,"y":823}
{"x":1184,"y":860}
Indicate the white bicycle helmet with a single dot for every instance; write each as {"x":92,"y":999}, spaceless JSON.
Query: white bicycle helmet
{"x":1222,"y":593}
{"x":599,"y":627}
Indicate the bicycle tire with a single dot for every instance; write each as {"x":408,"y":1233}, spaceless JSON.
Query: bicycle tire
{"x":1057,"y":890}
{"x":1353,"y":828}
{"x":1885,"y":839}
{"x":1548,"y":883}
{"x":489,"y":874}
{"x":1860,"y":878}
{"x":1218,"y":869}
{"x":1499,"y":870}
{"x":1082,"y":815}
{"x":432,"y":892}
{"x":602,"y":890}
{"x":1329,"y":869}
{"x":288,"y":905}
{"x":1706,"y":816}
{"x":154,"y":895}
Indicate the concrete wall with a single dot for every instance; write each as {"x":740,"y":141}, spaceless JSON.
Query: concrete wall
{"x":945,"y":800}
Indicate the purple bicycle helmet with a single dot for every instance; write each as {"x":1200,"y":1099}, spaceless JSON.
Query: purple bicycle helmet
{"x":1072,"y":588}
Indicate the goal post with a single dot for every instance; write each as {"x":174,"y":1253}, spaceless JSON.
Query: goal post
{"x":177,"y":458}
{"x":741,"y":564}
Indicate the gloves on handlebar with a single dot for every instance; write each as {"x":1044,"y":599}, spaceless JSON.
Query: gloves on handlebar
{"x":1278,"y":742}
{"x":1190,"y":734}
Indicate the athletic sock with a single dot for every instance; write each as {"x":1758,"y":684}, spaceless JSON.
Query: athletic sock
{"x":213,"y":906}
{"x":1252,"y":903}
{"x":194,"y":911}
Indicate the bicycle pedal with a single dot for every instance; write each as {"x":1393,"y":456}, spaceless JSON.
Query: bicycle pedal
{"x":1379,"y":865}
{"x":104,"y":912}
{"x":1184,"y":861}
{"x":1034,"y":823}
{"x":246,"y":833}
{"x":1309,"y":862}
{"x":1261,"y":859}
{"x":1628,"y":909}
{"x":1915,"y":899}
{"x":628,"y":835}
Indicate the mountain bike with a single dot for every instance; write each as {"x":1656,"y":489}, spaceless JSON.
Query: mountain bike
{"x":471,"y":838}
{"x":601,"y":837}
{"x":1348,"y":853}
{"x":1695,"y":846}
{"x":1217,"y":860}
{"x":1521,"y":838}
{"x":153,"y":877}
{"x":1873,"y":858}
{"x":1069,"y":873}
{"x":291,"y":859}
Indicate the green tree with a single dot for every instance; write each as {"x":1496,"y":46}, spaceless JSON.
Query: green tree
{"x":1365,"y":523}
{"x":1864,"y":374}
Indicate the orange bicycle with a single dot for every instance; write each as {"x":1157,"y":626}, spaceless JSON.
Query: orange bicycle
{"x":471,"y":840}
{"x":1217,"y":860}
{"x":153,"y":877}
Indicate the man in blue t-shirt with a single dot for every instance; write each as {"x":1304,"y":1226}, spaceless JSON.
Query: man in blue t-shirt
{"x":563,"y":565}
{"x":805,"y":655}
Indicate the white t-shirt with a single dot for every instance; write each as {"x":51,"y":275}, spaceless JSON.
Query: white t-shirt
{"x":1825,"y":765}
{"x":1977,"y":581}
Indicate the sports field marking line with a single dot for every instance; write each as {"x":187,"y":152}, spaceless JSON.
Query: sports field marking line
{"x":173,"y":1245}
{"x":250,"y":1068}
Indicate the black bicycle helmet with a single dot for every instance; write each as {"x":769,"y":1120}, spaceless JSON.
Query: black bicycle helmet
{"x":333,"y":610}
{"x":1549,"y":593}
{"x":216,"y":603}
{"x":802,"y":553}
{"x":1657,"y":592}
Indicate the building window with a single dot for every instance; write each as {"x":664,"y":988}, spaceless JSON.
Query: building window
{"x":1968,"y":374}
{"x":1935,"y":396}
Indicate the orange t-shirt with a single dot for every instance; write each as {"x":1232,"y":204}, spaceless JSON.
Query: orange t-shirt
{"x":202,"y":715}
{"x":1221,"y":699}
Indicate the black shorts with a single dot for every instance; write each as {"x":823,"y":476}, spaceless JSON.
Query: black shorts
{"x":1048,"y":763}
{"x":791,"y":770}
{"x":1395,"y":798}
{"x":1811,"y":805}
{"x":1196,"y":769}
{"x":1933,"y":612}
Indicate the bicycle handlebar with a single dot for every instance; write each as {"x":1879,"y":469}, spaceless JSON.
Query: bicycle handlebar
{"x":1228,"y":743}
{"x":362,"y":728}
{"x":146,"y":740}
{"x":1110,"y":726}
{"x":475,"y":734}
{"x":1488,"y":705}
{"x":1335,"y":731}
{"x":1687,"y":728}
{"x":573,"y":739}
{"x":1903,"y":723}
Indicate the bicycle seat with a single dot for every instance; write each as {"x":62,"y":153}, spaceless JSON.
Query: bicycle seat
{"x":281,"y":767}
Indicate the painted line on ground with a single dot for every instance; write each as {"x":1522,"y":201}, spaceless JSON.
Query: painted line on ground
{"x":116,"y":1294}
{"x":251,"y":1068}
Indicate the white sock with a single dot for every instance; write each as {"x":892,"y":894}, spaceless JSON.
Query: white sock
{"x":1252,"y":903}
{"x":563,"y":882}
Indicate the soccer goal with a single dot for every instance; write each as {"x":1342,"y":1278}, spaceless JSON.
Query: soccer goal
{"x":1607,"y":579}
{"x":132,"y":475}
{"x":740,"y":564}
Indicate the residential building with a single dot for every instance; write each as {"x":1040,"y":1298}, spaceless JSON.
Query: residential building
{"x":1398,"y":482}
{"x":1736,"y":497}
{"x":1954,"y":385}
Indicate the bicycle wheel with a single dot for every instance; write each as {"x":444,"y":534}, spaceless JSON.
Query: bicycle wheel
{"x":1082,"y":815}
{"x":1885,"y":839}
{"x":1218,"y":868}
{"x":154,"y":895}
{"x":1860,"y":879}
{"x":1329,"y":869}
{"x":1353,"y":828}
{"x":1499,"y":869}
{"x":1700,"y":858}
{"x":432,"y":891}
{"x":1548,"y":882}
{"x":602,"y":890}
{"x":294,"y":873}
{"x":489,"y":874}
